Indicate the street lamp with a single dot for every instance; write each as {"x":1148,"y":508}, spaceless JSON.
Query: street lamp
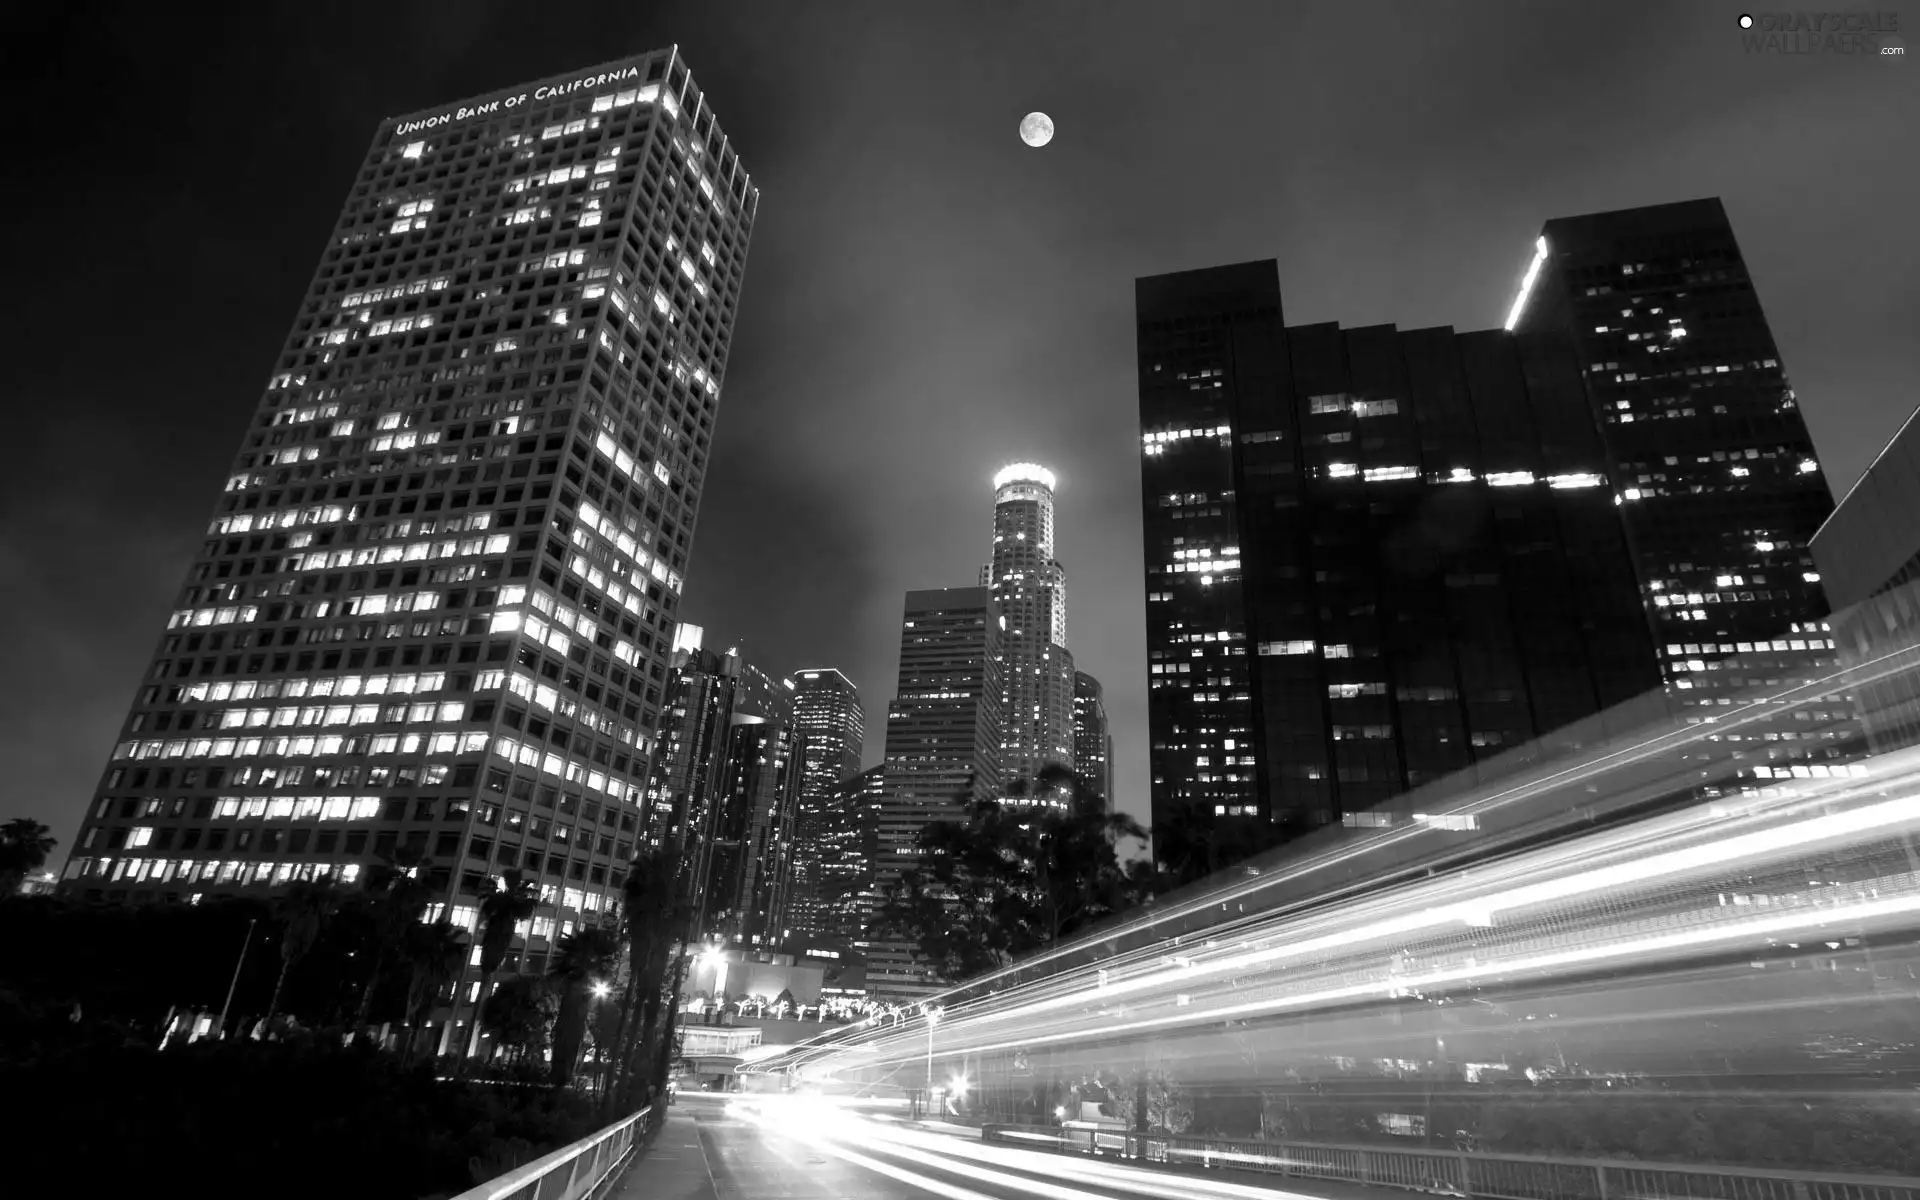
{"x":933,"y":1019}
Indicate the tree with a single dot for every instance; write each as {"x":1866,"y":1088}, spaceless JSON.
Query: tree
{"x":519,"y":1015}
{"x":504,"y":903}
{"x":399,"y":897}
{"x":1169,"y":1108}
{"x":24,"y":846}
{"x":303,"y":913}
{"x":432,"y":954}
{"x":1191,"y":843}
{"x":1011,"y":878}
{"x":580,"y":961}
{"x":649,"y":924}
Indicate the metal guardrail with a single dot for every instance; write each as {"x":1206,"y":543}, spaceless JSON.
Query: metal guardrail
{"x":1466,"y":1174}
{"x":573,"y":1172}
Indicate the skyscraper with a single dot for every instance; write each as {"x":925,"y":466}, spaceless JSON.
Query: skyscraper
{"x":1092,"y":744}
{"x":1719,"y":485}
{"x":723,"y":798}
{"x":942,"y":749}
{"x":832,"y":728}
{"x":1373,"y":556}
{"x":438,"y":586}
{"x":1030,"y":590}
{"x":685,"y":790}
{"x":753,"y":834}
{"x":849,"y":850}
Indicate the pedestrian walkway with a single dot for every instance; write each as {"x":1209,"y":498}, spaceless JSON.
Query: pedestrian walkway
{"x":674,"y":1168}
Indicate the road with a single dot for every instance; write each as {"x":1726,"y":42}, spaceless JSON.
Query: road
{"x":719,"y":1148}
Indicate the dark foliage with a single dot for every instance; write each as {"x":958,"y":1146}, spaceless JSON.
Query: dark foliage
{"x":1012,"y":878}
{"x":299,"y":1118}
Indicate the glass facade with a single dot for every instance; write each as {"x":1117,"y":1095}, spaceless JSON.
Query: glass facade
{"x":1374,"y":556}
{"x":1868,"y":556}
{"x":752,"y":846}
{"x":435,"y":602}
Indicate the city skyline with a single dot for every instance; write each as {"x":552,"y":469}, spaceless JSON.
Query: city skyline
{"x":137,"y":502}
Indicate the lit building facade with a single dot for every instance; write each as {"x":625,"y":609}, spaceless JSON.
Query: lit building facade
{"x":1716,"y":475}
{"x":833,"y":728}
{"x":1374,"y":556}
{"x":942,"y":748}
{"x":1029,"y":588}
{"x":849,"y":851}
{"x":1092,"y":743}
{"x":435,"y":600}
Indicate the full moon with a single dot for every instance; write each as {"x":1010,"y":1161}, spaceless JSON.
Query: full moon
{"x":1036,"y":129}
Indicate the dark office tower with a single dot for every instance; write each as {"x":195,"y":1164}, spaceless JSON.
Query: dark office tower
{"x":1717,"y":478}
{"x":1869,"y":565}
{"x":1029,"y":589}
{"x":436,"y":596}
{"x":832,"y":728}
{"x":1092,"y":744}
{"x":753,"y":838}
{"x":1373,"y":556}
{"x":943,"y":736}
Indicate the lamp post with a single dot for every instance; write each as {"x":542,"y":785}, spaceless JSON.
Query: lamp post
{"x":241,"y":962}
{"x":933,"y":1019}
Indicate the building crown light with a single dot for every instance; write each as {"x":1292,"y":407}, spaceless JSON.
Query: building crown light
{"x":1023,"y":473}
{"x":1526,"y":284}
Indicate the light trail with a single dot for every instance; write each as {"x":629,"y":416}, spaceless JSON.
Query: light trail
{"x":858,"y":1141}
{"x":1672,"y":737}
{"x":1427,"y":908}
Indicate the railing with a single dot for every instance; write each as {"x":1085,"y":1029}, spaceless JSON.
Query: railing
{"x":573,"y":1172}
{"x":1469,"y":1175}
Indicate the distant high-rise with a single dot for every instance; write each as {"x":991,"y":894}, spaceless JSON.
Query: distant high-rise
{"x":1716,"y":475}
{"x":849,"y":850}
{"x":942,"y":748}
{"x":1029,"y":587}
{"x":436,"y":596}
{"x":832,"y":728}
{"x":1092,"y":744}
{"x":1374,"y":556}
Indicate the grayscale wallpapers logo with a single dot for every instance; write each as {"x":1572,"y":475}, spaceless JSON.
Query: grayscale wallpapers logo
{"x":1856,"y":33}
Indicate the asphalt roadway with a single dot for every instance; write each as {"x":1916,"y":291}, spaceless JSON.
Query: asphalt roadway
{"x":717,"y":1148}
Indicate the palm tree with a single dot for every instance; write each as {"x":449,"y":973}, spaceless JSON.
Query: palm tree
{"x":399,"y":898}
{"x":504,"y":903}
{"x":579,"y":961}
{"x":24,"y":845}
{"x":432,"y":954}
{"x":648,"y":891}
{"x":303,"y":913}
{"x":518,"y":1014}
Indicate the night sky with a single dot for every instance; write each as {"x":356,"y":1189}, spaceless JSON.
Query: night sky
{"x":926,"y":298}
